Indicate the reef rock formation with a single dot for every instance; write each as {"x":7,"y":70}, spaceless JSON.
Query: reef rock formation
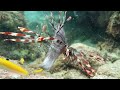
{"x":110,"y":69}
{"x":114,"y":25}
{"x":10,"y":20}
{"x":95,"y":18}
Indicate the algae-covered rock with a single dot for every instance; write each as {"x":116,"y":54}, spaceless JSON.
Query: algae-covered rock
{"x":10,"y":20}
{"x":69,"y":74}
{"x":103,"y":18}
{"x":103,"y":77}
{"x":95,"y":18}
{"x":110,"y":69}
{"x":114,"y":25}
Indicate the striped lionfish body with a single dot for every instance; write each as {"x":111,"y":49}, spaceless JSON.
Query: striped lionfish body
{"x":82,"y":59}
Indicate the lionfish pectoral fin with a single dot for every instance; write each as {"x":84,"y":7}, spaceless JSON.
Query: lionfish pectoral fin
{"x":17,"y":34}
{"x":22,"y":29}
{"x":20,"y":40}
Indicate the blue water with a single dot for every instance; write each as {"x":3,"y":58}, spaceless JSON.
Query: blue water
{"x":37,"y":18}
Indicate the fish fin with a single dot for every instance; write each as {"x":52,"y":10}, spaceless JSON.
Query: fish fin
{"x":20,"y":40}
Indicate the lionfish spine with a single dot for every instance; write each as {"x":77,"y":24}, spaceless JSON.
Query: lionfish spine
{"x":16,"y":34}
{"x":26,"y":30}
{"x":21,"y":40}
{"x":79,"y":62}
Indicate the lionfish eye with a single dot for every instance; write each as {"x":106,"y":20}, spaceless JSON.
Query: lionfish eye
{"x":58,"y":41}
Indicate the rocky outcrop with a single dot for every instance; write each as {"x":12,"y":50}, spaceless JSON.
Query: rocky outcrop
{"x":110,"y":70}
{"x":10,"y":20}
{"x":114,"y":25}
{"x":95,"y":18}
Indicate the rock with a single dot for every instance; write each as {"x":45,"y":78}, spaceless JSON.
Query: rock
{"x":38,"y":77}
{"x":103,"y":77}
{"x":80,"y":46}
{"x":10,"y":20}
{"x":94,"y":18}
{"x":15,"y":76}
{"x":69,"y":74}
{"x":103,"y":18}
{"x":110,"y":69}
{"x":113,"y":27}
{"x":5,"y":74}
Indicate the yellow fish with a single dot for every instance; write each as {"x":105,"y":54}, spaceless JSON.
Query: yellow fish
{"x":12,"y":67}
{"x":37,"y":71}
{"x":22,"y":61}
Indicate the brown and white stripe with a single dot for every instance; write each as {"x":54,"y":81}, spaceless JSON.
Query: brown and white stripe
{"x":85,"y":66}
{"x":89,"y":66}
{"x":49,"y":38}
{"x":88,"y":72}
{"x":26,"y":30}
{"x":21,"y":40}
{"x":16,"y":34}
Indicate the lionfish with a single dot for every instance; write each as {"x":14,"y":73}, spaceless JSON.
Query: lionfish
{"x":58,"y":45}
